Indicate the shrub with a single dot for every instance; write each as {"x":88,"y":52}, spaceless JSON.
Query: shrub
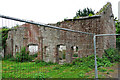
{"x":90,"y":62}
{"x":63,"y":54}
{"x":67,"y":64}
{"x":102,"y":69}
{"x":8,"y":56}
{"x":23,"y":56}
{"x":38,"y":61}
{"x":56,"y":67}
{"x":81,"y":74}
{"x":112,"y":54}
{"x":103,"y":62}
{"x":12,"y":59}
{"x":33,"y":56}
{"x":75,"y":55}
{"x":39,"y":75}
{"x":50,"y":63}
{"x":111,"y":70}
{"x":85,"y":61}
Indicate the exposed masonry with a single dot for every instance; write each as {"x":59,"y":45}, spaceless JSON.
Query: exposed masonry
{"x":49,"y":40}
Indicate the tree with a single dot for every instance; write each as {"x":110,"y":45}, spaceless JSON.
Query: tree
{"x":84,"y":12}
{"x":117,"y":24}
{"x":3,"y":36}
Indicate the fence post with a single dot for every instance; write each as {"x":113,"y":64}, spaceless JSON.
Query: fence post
{"x":96,"y":73}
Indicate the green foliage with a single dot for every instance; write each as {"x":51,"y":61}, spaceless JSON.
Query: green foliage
{"x":33,"y":56}
{"x":108,"y":73}
{"x":117,"y":24}
{"x":16,"y":26}
{"x":40,"y":69}
{"x":84,"y":12}
{"x":81,"y":74}
{"x":56,"y":68}
{"x":3,"y":36}
{"x":102,"y":69}
{"x":39,"y":75}
{"x":63,"y":55}
{"x":111,"y":70}
{"x":85,"y":61}
{"x":23,"y":56}
{"x":67,"y":64}
{"x":12,"y":59}
{"x":75,"y":55}
{"x":43,"y":63}
{"x":8,"y":56}
{"x":90,"y":14}
{"x":38,"y":61}
{"x":102,"y":9}
{"x":112,"y":54}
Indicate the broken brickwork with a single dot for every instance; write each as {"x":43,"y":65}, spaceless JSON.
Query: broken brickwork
{"x":49,"y":40}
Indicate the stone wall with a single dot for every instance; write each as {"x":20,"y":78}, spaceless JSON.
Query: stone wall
{"x":49,"y":40}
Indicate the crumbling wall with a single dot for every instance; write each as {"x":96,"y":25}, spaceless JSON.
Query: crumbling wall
{"x":108,"y":25}
{"x":15,"y":41}
{"x":23,"y":36}
{"x":49,"y":40}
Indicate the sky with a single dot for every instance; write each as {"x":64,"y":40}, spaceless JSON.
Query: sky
{"x":51,"y":11}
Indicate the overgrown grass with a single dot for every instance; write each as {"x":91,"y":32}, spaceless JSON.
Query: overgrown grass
{"x":40,"y":69}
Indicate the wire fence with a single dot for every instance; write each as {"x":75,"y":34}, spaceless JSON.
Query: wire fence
{"x":63,"y":44}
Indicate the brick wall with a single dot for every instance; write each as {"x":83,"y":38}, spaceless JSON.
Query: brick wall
{"x":49,"y":40}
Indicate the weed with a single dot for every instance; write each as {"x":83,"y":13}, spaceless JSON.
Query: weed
{"x":108,"y":73}
{"x":111,"y":70}
{"x":81,"y":74}
{"x":23,"y":56}
{"x":8,"y":56}
{"x":102,"y":69}
{"x":57,"y":67}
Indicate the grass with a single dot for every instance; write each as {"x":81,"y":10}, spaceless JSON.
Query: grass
{"x":12,"y":69}
{"x":79,"y":68}
{"x":102,"y":69}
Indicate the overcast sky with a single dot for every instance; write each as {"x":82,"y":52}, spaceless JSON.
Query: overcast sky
{"x":50,"y":11}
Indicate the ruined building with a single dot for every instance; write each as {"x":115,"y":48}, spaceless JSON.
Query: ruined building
{"x":48,"y":40}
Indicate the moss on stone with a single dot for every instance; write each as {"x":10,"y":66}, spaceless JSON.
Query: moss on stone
{"x":103,"y":9}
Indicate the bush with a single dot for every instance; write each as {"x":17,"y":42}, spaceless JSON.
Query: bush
{"x":75,"y":55}
{"x":38,"y":61}
{"x":23,"y":56}
{"x":8,"y":56}
{"x":112,"y":54}
{"x":12,"y":59}
{"x":111,"y":70}
{"x":85,"y":61}
{"x":102,"y":69}
{"x":67,"y":64}
{"x":40,"y":75}
{"x":56,"y":68}
{"x":103,"y":62}
{"x":33,"y":56}
{"x":63,"y":54}
{"x":90,"y":62}
{"x":81,"y":74}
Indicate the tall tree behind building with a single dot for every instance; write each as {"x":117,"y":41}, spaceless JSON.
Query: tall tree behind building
{"x":84,"y":12}
{"x":117,"y":24}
